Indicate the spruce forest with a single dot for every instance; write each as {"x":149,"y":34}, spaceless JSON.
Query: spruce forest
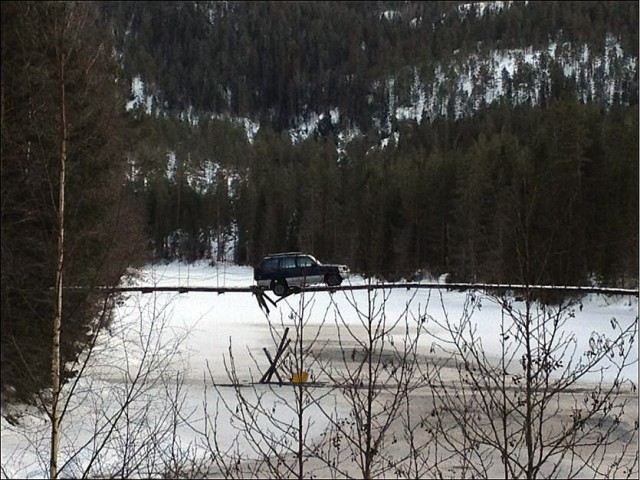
{"x":494,"y":141}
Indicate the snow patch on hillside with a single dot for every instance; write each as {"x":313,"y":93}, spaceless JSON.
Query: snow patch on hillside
{"x":458,"y":88}
{"x":139,"y":97}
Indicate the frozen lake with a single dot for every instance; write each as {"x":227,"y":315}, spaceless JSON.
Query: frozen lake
{"x":179,"y":345}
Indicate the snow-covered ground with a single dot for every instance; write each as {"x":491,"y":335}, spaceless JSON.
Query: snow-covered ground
{"x":179,"y":344}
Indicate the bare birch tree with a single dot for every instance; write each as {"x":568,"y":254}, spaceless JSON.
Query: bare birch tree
{"x":61,"y":41}
{"x":375,"y":371}
{"x":128,"y":401}
{"x":544,"y":408}
{"x":278,"y":424}
{"x":359,"y":414}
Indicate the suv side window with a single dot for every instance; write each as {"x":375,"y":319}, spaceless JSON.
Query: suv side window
{"x":270,"y":265}
{"x":288,"y":262}
{"x":305,"y":262}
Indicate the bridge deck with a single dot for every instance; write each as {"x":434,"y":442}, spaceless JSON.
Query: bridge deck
{"x":486,"y":287}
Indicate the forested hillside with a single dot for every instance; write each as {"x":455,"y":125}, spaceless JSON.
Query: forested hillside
{"x":496,"y":141}
{"x":278,"y":61}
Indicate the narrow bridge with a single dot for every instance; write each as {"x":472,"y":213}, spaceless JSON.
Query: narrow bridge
{"x":263,"y":298}
{"x":485,"y":287}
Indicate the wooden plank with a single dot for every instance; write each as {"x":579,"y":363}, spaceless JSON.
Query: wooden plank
{"x":277,"y":359}
{"x":267,"y":375}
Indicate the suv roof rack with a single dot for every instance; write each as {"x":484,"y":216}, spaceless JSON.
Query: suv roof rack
{"x":282,"y":254}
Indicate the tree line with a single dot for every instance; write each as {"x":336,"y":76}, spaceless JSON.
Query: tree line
{"x":471,"y":197}
{"x":445,"y":196}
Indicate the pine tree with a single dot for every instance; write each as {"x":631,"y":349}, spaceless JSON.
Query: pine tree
{"x":101,"y":229}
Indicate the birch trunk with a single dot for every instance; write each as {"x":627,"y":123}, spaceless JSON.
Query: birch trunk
{"x":57,"y":320}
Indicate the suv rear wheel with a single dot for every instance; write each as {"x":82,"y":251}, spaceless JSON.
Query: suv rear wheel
{"x":279,"y":287}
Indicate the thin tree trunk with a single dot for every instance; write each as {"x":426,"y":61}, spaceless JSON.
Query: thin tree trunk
{"x":300,"y":399}
{"x":504,"y":419}
{"x":57,"y":321}
{"x":369,"y":412}
{"x":529,"y":389}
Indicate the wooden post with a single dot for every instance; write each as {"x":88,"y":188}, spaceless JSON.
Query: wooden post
{"x":283,"y":344}
{"x":271,"y":362}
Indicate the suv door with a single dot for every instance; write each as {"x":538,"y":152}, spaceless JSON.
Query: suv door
{"x":268,"y":270}
{"x":288,"y":268}
{"x":308,"y":269}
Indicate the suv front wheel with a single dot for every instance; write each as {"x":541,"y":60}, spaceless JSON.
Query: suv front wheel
{"x":333,"y":279}
{"x":279,"y":287}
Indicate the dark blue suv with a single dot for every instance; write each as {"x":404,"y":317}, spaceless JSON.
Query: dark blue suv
{"x":282,"y":271}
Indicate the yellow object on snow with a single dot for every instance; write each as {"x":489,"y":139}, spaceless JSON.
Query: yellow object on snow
{"x":300,"y":377}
